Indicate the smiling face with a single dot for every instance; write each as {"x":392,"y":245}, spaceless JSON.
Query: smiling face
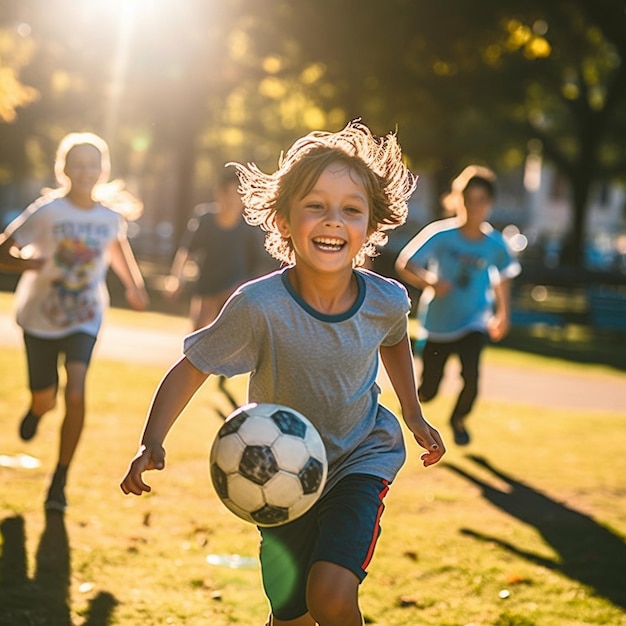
{"x":478,"y":201}
{"x":329,"y":224}
{"x":83,"y":168}
{"x":477,"y":206}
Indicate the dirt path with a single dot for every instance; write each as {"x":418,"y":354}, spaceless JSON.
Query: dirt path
{"x":575,"y":389}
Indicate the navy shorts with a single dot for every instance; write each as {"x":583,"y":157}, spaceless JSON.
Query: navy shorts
{"x":342,"y":528}
{"x":43,"y":356}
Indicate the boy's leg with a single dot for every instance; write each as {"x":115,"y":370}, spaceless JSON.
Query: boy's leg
{"x":333,"y":595}
{"x":74,"y":419}
{"x":312,"y":567}
{"x":469,"y":351}
{"x":221,"y":385}
{"x":78,"y":349}
{"x":285,"y":557}
{"x":434,"y":358}
{"x":329,"y":586}
{"x":41,"y":401}
{"x":305,"y":620}
{"x":43,"y":380}
{"x":349,"y":528}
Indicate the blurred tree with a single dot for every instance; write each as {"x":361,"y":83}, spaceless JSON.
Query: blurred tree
{"x":478,"y":81}
{"x":16,"y":49}
{"x":15,"y":52}
{"x":553,"y":72}
{"x":178,"y":88}
{"x":575,"y":101}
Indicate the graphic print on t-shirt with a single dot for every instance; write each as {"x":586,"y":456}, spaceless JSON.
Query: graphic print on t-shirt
{"x":72,"y":299}
{"x":467,"y":264}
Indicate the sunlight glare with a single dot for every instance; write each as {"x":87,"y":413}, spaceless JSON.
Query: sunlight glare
{"x":126,"y":23}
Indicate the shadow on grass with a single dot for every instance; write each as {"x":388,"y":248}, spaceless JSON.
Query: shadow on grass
{"x":44,"y":600}
{"x":587,"y":551}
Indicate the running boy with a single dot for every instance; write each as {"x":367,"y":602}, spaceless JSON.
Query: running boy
{"x":464,"y":268}
{"x":228,"y":252}
{"x":310,"y":335}
{"x":74,"y":232}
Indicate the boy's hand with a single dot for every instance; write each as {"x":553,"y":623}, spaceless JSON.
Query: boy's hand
{"x":34,"y":265}
{"x":148,"y":458}
{"x":498,"y":328}
{"x":174,"y":287}
{"x":429,"y":438}
{"x":137,"y":297}
{"x":442,"y":288}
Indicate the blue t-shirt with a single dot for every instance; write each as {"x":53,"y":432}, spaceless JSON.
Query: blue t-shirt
{"x":471,"y":265}
{"x":324,"y":366}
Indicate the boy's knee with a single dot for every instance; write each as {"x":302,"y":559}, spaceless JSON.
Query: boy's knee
{"x":43,"y":401}
{"x":336,"y":610}
{"x":426,"y":396}
{"x":75,"y":398}
{"x":332,"y":601}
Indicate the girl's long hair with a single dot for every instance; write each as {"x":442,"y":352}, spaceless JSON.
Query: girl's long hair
{"x":111,"y":194}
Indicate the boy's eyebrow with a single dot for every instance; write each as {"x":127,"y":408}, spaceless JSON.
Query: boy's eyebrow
{"x":355,"y":194}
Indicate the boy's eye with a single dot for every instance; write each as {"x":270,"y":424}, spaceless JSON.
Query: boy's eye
{"x":353,"y":210}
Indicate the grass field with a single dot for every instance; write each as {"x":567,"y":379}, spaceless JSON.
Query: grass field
{"x":526,"y":527}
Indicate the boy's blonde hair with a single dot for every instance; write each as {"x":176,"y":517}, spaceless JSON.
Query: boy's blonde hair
{"x":377,"y":161}
{"x":110,"y":193}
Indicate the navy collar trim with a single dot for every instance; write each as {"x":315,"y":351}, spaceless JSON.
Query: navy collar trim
{"x":324,"y":317}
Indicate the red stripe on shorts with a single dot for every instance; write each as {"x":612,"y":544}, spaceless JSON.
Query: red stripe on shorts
{"x":375,"y":531}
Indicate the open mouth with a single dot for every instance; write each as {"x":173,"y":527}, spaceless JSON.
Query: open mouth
{"x":329,"y":244}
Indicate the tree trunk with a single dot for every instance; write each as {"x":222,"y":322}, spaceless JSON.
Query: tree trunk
{"x":574,"y":249}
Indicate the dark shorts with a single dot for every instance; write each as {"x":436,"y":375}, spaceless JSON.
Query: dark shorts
{"x":43,"y":356}
{"x":342,"y":528}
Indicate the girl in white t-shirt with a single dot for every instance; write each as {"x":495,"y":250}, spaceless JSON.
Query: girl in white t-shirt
{"x":62,"y":245}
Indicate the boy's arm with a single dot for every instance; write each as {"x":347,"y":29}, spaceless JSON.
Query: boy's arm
{"x":124,"y":264}
{"x":398,"y":361}
{"x":174,"y":281}
{"x":173,"y":393}
{"x":417,"y":274}
{"x":500,"y":323}
{"x":414,"y":274}
{"x":10,"y":259}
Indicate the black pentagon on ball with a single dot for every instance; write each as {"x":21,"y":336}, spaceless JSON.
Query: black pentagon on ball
{"x":289,"y":423}
{"x":269,"y":515}
{"x":311,"y":475}
{"x":220,"y":482}
{"x":258,"y":464}
{"x":233,"y":424}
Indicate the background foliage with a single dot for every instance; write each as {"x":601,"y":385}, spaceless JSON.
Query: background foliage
{"x":178,"y":88}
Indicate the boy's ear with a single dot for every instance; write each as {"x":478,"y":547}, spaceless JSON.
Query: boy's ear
{"x":282,"y":225}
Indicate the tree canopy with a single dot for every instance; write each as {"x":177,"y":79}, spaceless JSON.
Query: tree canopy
{"x":177,"y":88}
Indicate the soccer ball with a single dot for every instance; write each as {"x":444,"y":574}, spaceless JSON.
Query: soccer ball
{"x":268,"y":464}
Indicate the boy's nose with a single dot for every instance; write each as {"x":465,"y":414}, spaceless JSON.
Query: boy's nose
{"x":333,"y":217}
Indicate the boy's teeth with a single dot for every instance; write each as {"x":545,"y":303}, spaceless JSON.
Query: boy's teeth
{"x":329,"y":244}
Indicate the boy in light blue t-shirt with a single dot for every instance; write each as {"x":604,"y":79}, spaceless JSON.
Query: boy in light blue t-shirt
{"x":464,"y":268}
